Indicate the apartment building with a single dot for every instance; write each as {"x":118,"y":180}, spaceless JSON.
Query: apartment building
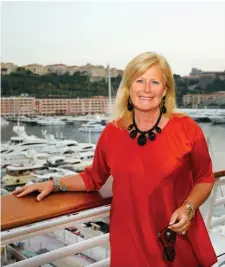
{"x":37,"y":69}
{"x":197,"y":99}
{"x":203,"y":78}
{"x":49,"y":106}
{"x":89,"y":105}
{"x":7,"y":68}
{"x":52,"y":106}
{"x":59,"y":69}
{"x":18,"y":105}
{"x":95,"y":72}
{"x":72,"y":69}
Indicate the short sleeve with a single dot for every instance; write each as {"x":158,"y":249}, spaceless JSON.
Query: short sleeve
{"x":95,"y":176}
{"x":201,"y":163}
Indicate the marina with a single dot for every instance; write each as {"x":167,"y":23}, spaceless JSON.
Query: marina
{"x":93,"y":192}
{"x":33,"y":152}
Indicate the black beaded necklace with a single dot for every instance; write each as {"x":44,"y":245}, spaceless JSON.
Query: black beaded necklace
{"x":142,"y":138}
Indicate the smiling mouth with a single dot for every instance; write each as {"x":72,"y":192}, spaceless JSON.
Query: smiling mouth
{"x":146,"y":98}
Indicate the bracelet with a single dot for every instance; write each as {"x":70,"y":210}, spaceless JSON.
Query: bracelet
{"x":190,"y":208}
{"x":56,"y":182}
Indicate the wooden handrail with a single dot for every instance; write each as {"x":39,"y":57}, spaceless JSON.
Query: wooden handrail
{"x":219,"y":174}
{"x":26,"y":210}
{"x":23,"y":211}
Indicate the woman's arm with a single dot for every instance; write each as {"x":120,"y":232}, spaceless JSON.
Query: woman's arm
{"x":199,"y":194}
{"x":201,"y":167}
{"x":203,"y":181}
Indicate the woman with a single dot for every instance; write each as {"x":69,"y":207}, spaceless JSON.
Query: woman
{"x":162,"y":174}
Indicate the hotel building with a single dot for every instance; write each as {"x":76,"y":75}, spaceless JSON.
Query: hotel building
{"x":198,"y":99}
{"x":18,"y":106}
{"x":49,"y":106}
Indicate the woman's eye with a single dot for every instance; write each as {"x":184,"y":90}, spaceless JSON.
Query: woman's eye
{"x":139,"y":81}
{"x":155,"y":82}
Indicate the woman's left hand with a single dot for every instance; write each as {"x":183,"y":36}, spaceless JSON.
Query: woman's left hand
{"x":181,"y":216}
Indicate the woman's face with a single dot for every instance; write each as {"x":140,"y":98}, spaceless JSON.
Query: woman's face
{"x":147,"y":91}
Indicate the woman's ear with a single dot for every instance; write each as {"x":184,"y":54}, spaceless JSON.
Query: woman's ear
{"x":165,"y":91}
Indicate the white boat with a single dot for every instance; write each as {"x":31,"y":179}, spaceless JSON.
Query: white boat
{"x":26,"y":119}
{"x":15,"y":152}
{"x":22,"y":144}
{"x":88,"y":155}
{"x":91,"y":122}
{"x":79,"y":165}
{"x":22,"y":140}
{"x":60,"y":147}
{"x":4,"y":122}
{"x":217,"y":119}
{"x":71,"y":120}
{"x":22,"y":173}
{"x":88,"y":118}
{"x":19,"y":174}
{"x":57,"y":161}
{"x":24,"y":167}
{"x":96,"y":128}
{"x":50,"y":122}
{"x":23,"y":158}
{"x":205,"y":115}
{"x":200,"y":117}
{"x":52,"y":172}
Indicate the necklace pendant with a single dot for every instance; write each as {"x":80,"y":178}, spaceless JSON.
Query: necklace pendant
{"x":158,"y":129}
{"x":151,"y":136}
{"x":144,"y":135}
{"x":142,"y":140}
{"x":133,"y":134}
{"x":130,"y":127}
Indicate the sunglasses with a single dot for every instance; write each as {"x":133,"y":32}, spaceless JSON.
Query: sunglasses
{"x":169,"y":236}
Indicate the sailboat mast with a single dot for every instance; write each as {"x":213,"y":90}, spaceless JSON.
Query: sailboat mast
{"x":110,"y":89}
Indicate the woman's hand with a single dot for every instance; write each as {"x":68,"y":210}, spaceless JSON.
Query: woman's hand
{"x":181,"y":215}
{"x":44,"y":188}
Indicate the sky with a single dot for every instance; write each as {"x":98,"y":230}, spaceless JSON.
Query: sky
{"x":188,"y":33}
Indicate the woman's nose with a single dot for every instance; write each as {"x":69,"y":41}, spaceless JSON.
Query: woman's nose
{"x":147,"y":87}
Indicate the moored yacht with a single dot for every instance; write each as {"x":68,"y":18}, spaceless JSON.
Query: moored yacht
{"x":19,"y":174}
{"x":4,"y":122}
{"x":217,"y":119}
{"x":79,"y":165}
{"x":96,"y":128}
{"x":20,"y":145}
{"x":46,"y":174}
{"x":50,"y":122}
{"x":22,"y":141}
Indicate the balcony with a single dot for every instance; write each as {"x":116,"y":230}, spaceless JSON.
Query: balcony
{"x":23,"y":219}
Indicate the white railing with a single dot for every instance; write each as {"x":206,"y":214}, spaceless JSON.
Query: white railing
{"x":213,"y":202}
{"x":62,"y":252}
{"x":25,"y":232}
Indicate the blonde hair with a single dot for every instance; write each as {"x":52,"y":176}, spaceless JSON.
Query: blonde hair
{"x":135,"y":68}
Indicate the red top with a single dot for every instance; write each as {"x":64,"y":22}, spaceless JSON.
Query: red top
{"x":150,"y":182}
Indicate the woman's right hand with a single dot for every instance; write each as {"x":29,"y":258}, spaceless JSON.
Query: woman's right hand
{"x":44,"y":188}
